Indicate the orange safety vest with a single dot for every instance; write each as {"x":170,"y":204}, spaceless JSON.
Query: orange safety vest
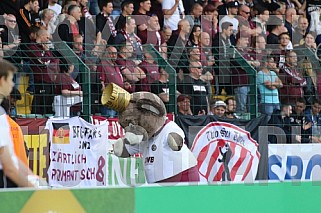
{"x":18,"y":141}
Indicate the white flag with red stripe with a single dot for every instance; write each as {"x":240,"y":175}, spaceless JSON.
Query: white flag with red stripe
{"x":226,"y":152}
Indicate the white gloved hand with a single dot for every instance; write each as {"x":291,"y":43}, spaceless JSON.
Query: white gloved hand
{"x":135,"y":134}
{"x":119,"y":147}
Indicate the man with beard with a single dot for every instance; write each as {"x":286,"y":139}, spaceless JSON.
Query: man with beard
{"x":230,"y":108}
{"x":28,"y":16}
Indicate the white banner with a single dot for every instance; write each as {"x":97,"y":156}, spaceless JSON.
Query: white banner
{"x":295,"y":162}
{"x":78,"y":153}
{"x":226,"y":152}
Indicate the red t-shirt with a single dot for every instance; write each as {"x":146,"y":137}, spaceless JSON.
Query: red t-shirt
{"x":152,"y":75}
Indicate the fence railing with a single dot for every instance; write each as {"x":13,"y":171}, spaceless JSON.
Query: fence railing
{"x":85,"y":64}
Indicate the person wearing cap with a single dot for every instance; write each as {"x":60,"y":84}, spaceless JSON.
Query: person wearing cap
{"x":277,"y":27}
{"x":184,"y":105}
{"x":218,"y":108}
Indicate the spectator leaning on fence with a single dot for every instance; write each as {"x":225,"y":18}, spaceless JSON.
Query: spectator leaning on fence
{"x":13,"y":172}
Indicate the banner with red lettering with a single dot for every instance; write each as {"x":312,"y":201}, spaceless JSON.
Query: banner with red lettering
{"x":226,"y":152}
{"x":78,"y":153}
{"x":115,"y":131}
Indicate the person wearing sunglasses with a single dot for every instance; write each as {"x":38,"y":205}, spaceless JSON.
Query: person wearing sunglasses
{"x":193,"y":86}
{"x":10,"y":39}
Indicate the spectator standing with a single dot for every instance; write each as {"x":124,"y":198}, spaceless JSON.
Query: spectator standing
{"x":47,"y":21}
{"x":11,"y":40}
{"x":310,"y":75}
{"x":44,"y":67}
{"x":109,"y":72}
{"x":193,"y":86}
{"x":127,"y":34}
{"x":150,"y":67}
{"x":152,"y":35}
{"x":291,"y":20}
{"x":127,"y":9}
{"x":293,"y":81}
{"x":141,"y":16}
{"x":276,"y":26}
{"x":260,"y":21}
{"x":69,"y":27}
{"x":166,"y":33}
{"x":300,"y":31}
{"x":28,"y":16}
{"x":53,"y":5}
{"x":68,"y":87}
{"x":130,"y":71}
{"x":209,"y":21}
{"x":269,"y":83}
{"x":173,"y":11}
{"x":161,"y":87}
{"x":104,"y":22}
{"x":221,"y":46}
{"x":195,"y":16}
{"x":231,"y":18}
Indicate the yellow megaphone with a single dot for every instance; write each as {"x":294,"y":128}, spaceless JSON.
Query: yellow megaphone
{"x":115,"y":97}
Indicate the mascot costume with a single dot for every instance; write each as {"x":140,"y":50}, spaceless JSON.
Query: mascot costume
{"x":161,"y":142}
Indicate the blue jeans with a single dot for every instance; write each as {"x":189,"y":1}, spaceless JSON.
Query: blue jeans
{"x":241,"y":96}
{"x":268,"y":108}
{"x":109,"y":113}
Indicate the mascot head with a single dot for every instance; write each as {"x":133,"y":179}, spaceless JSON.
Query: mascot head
{"x":144,"y":109}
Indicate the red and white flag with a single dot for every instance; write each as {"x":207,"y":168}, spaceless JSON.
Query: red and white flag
{"x":226,"y":152}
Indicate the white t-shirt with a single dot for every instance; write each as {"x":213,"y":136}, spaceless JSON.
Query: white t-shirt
{"x":172,"y":21}
{"x":5,"y":138}
{"x":160,"y":161}
{"x":234,"y":21}
{"x":57,"y":9}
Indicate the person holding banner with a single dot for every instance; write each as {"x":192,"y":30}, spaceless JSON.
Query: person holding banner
{"x":13,"y":173}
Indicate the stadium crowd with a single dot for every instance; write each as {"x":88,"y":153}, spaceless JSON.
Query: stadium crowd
{"x":194,"y":36}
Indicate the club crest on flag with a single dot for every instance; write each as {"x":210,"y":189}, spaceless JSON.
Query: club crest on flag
{"x":225,"y":152}
{"x":60,"y":133}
